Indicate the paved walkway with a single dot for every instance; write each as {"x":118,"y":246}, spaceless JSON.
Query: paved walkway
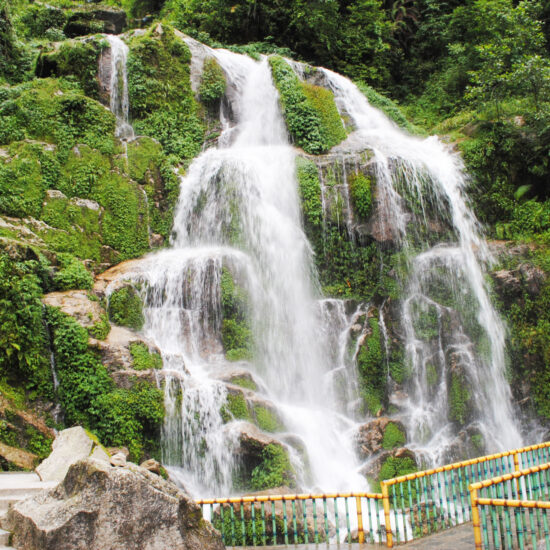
{"x":457,"y":538}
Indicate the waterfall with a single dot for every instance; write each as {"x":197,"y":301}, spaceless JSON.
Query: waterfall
{"x":239,"y":211}
{"x":452,"y":332}
{"x":119,"y":102}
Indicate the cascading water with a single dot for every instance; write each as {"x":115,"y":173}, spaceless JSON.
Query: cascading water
{"x":119,"y":103}
{"x":239,"y":211}
{"x":453,"y":335}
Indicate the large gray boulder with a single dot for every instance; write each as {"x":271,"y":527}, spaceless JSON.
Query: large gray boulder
{"x":99,"y":507}
{"x":69,"y":446}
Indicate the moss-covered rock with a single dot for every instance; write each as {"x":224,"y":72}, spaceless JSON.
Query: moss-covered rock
{"x":126,"y":308}
{"x":143,"y":358}
{"x":213,"y":83}
{"x":310,"y":112}
{"x":460,"y":408}
{"x":75,"y":58}
{"x":162,"y":102}
{"x":370,"y":363}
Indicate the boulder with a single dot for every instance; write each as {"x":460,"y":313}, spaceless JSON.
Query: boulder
{"x":12,"y":455}
{"x":370,"y":436}
{"x":118,"y":460}
{"x":70,"y":446}
{"x":95,"y":20}
{"x":98,"y":507}
{"x":78,"y":305}
{"x":152,"y":465}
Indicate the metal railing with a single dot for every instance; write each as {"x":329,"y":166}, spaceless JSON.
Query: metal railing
{"x":409,"y":507}
{"x":423,"y":503}
{"x":511,"y":511}
{"x":296,"y":519}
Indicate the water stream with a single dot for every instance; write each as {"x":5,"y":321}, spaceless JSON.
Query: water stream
{"x":239,"y":212}
{"x":452,"y":331}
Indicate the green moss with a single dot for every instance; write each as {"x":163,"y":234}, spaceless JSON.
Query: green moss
{"x":213,"y":83}
{"x":23,"y":182}
{"x":56,"y":111}
{"x":143,"y":358}
{"x":459,"y":399}
{"x":124,"y":224}
{"x":235,"y":408}
{"x":162,"y":102}
{"x":310,"y":114}
{"x":72,"y":275}
{"x":393,"y":437}
{"x":236,"y":339}
{"x":119,"y":417}
{"x":244,"y":382}
{"x":360,"y":187}
{"x":101,"y":329}
{"x":309,"y":187}
{"x":322,"y":101}
{"x":77,"y":59}
{"x":7,"y":434}
{"x":267,"y":420}
{"x":126,"y":308}
{"x":396,"y":467}
{"x":370,"y":363}
{"x":275,"y":469}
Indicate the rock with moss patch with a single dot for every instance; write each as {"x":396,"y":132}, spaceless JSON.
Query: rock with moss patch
{"x":378,"y":435}
{"x":95,"y":19}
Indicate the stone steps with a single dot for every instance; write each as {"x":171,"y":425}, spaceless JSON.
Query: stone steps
{"x":16,"y":486}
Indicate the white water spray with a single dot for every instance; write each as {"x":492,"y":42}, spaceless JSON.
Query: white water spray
{"x":119,"y":102}
{"x":429,"y":172}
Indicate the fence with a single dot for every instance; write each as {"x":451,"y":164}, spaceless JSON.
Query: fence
{"x":296,"y":519}
{"x":409,"y":507}
{"x":511,"y":511}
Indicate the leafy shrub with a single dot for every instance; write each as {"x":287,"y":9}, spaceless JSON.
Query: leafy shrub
{"x":213,"y":82}
{"x":143,"y":358}
{"x":309,"y":113}
{"x":129,"y":417}
{"x":23,"y":339}
{"x":361,"y":194}
{"x":310,"y":191}
{"x":162,"y":102}
{"x":72,"y":274}
{"x":370,"y":363}
{"x":101,"y":329}
{"x":393,"y":437}
{"x":126,"y":308}
{"x":275,"y":469}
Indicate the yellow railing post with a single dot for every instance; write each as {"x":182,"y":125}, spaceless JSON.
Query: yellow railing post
{"x":360,"y":531}
{"x":476,"y":520}
{"x":386,"y":503}
{"x":517,"y":467}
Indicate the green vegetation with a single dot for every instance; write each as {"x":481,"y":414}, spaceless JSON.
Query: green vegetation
{"x":23,"y":339}
{"x":77,"y":59}
{"x":267,"y":420}
{"x":370,"y":362}
{"x":244,"y":382}
{"x":213,"y":82}
{"x":161,"y":100}
{"x":236,"y":408}
{"x":236,"y":332}
{"x":393,"y":437}
{"x":143,"y":358}
{"x":117,"y":416}
{"x":101,"y":329}
{"x":310,"y":192}
{"x":275,"y":469}
{"x":310,"y":112}
{"x":72,"y":274}
{"x":459,"y":399}
{"x":360,"y":187}
{"x":126,"y":308}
